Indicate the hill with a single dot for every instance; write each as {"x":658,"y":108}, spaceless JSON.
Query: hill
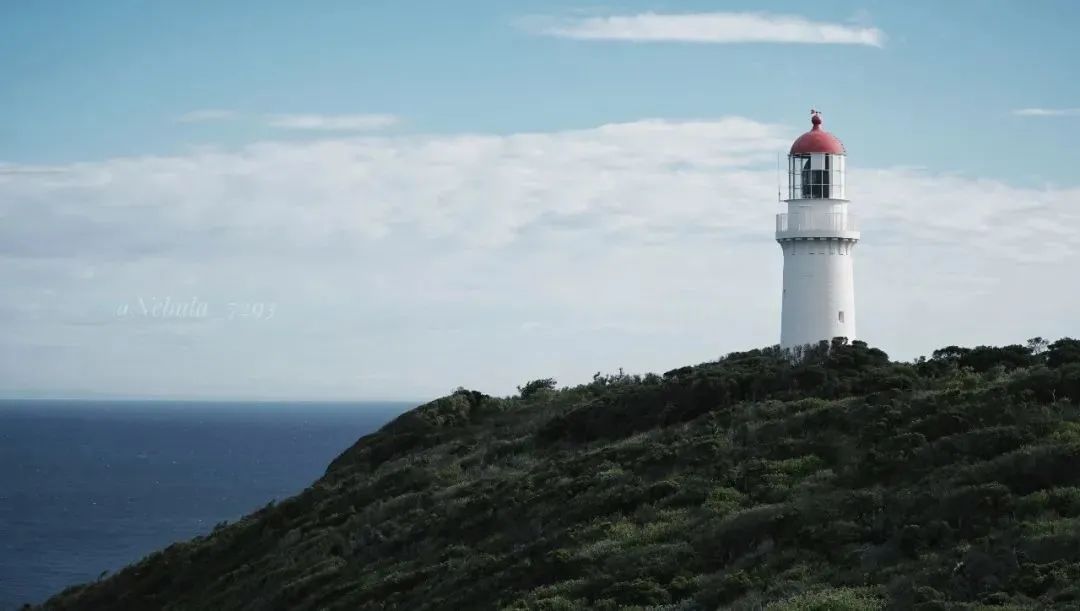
{"x":837,"y":480}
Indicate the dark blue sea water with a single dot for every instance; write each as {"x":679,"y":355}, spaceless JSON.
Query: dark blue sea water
{"x":87,"y":487}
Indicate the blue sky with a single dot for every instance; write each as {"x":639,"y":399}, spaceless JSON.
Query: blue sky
{"x":479,"y":193}
{"x":93,"y":79}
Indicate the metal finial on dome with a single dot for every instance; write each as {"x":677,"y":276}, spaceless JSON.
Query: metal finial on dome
{"x":815,"y":118}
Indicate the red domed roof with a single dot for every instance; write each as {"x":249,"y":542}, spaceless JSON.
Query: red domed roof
{"x":817,"y":140}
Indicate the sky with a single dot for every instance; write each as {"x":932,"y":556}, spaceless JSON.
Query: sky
{"x":388,"y":200}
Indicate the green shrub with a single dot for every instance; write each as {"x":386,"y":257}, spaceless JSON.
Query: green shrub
{"x":833,"y":599}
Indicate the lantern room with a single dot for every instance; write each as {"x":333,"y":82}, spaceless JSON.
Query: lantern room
{"x":816,"y":164}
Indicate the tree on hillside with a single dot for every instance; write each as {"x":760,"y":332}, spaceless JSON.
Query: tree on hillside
{"x":536,"y":386}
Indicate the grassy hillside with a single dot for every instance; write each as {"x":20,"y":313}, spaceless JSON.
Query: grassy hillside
{"x":843,"y":481}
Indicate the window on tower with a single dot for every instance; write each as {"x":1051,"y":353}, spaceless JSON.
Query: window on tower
{"x":798,"y":176}
{"x":816,"y":176}
{"x":808,"y":184}
{"x":819,"y":175}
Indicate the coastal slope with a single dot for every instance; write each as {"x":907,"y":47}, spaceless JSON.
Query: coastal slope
{"x":835,"y":480}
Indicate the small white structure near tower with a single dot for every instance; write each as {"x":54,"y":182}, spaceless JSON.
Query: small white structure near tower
{"x":818,"y":237}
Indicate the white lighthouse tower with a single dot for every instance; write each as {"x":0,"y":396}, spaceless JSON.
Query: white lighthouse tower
{"x":818,"y":237}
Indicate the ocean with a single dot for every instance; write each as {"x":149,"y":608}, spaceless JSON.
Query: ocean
{"x":92,"y":486}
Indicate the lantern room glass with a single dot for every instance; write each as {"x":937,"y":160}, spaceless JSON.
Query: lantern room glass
{"x":816,"y":176}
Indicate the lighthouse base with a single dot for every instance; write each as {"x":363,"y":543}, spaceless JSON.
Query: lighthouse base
{"x":819,"y":291}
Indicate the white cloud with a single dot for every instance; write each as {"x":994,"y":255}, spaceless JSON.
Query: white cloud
{"x":314,"y":122}
{"x":361,"y":122}
{"x":404,"y":266}
{"x":1047,"y":112}
{"x":207,"y":115}
{"x":709,"y":28}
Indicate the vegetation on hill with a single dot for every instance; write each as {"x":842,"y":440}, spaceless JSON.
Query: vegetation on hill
{"x":836,"y":480}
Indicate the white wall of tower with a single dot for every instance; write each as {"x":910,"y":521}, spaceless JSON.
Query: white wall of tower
{"x":819,"y":290}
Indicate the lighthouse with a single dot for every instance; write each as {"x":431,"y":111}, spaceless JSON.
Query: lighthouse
{"x":817,"y":235}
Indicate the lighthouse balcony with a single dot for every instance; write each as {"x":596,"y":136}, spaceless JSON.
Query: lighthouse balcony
{"x":816,"y":224}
